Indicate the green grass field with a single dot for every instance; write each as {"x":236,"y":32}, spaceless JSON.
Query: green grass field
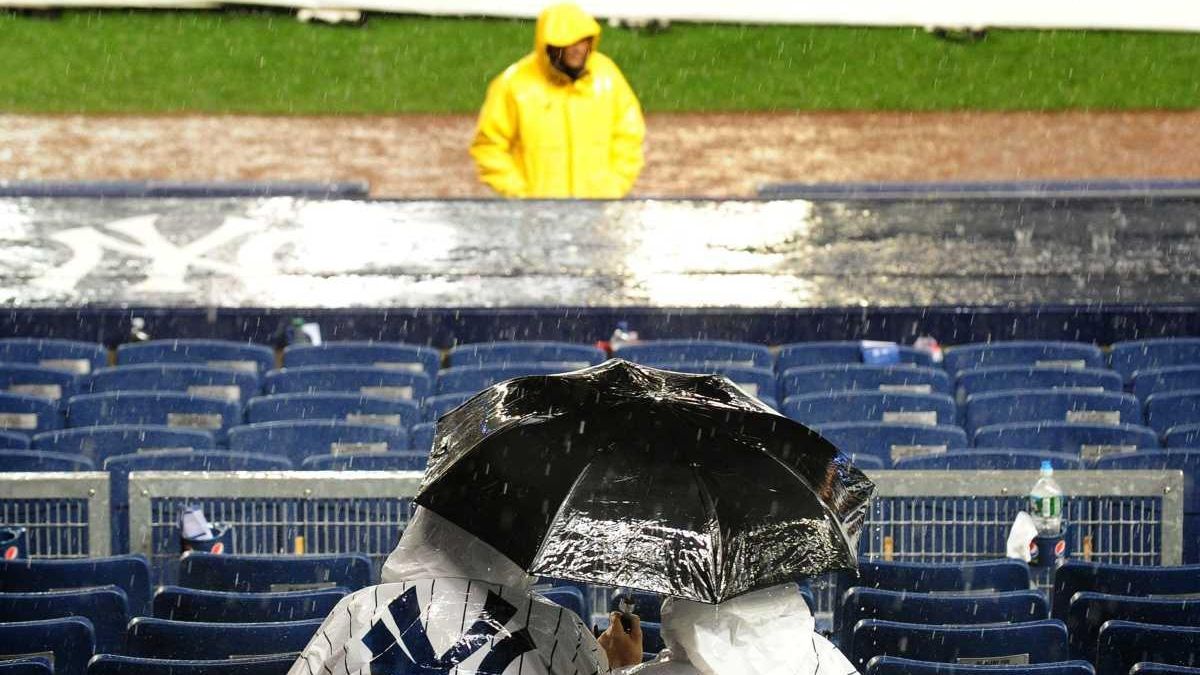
{"x":252,"y":62}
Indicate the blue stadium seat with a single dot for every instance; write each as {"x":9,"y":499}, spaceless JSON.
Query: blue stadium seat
{"x":571,"y":356}
{"x":890,"y":441}
{"x":130,"y":573}
{"x":1089,"y":611}
{"x":648,"y":606}
{"x":190,"y":604}
{"x":12,"y":440}
{"x":1186,"y":460}
{"x":241,"y":356}
{"x":390,"y":356}
{"x":404,"y":460}
{"x":34,"y":665}
{"x":568,"y":597}
{"x":1123,"y":644}
{"x":48,"y":383}
{"x":1011,"y":644}
{"x":1005,"y":378}
{"x":859,"y":376}
{"x":1080,"y":439}
{"x":148,"y":637}
{"x":1133,"y":580}
{"x":968,"y":577}
{"x":892,"y":665}
{"x":1171,"y":409}
{"x":105,"y":607}
{"x":654,"y":352}
{"x":757,"y":382}
{"x":297,"y":440}
{"x":255,"y":574}
{"x":79,"y":358}
{"x":121,"y":466}
{"x":113,"y":664}
{"x":172,"y":409}
{"x":227,"y":385}
{"x":1183,"y":436}
{"x":36,"y":460}
{"x":1129,"y":357}
{"x":1023,"y":353}
{"x":871,"y":406}
{"x":472,"y":379}
{"x":1062,"y":405}
{"x":940,"y":609}
{"x":71,"y":640}
{"x":24,"y":414}
{"x":1151,"y":668}
{"x":993,"y":459}
{"x":364,"y":380}
{"x":421,"y":435}
{"x":100,"y":443}
{"x":799,"y":354}
{"x":1157,"y":380}
{"x":436,"y":406}
{"x":353,"y":408}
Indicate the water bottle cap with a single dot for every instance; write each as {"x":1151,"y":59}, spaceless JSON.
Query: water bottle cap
{"x":1047,"y":467}
{"x":623,"y":325}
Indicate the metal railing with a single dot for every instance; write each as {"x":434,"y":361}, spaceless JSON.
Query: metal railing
{"x":66,"y":515}
{"x":273,"y":512}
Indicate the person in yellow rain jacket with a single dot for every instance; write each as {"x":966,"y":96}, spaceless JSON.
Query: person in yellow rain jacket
{"x":561,"y":122}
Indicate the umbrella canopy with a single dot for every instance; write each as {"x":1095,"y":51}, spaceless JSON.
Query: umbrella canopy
{"x":631,"y":476}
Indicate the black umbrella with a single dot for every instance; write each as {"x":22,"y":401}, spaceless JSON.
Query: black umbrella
{"x":630,"y":476}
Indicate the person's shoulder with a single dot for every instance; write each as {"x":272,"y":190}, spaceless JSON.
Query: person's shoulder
{"x":603,"y":65}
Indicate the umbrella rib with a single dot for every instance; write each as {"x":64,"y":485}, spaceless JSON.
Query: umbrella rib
{"x":717,"y":559}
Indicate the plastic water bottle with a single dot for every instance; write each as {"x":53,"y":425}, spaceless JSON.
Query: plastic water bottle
{"x":1046,"y":503}
{"x":621,"y":336}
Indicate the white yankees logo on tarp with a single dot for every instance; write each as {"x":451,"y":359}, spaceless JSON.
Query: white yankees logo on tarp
{"x":169,"y":263}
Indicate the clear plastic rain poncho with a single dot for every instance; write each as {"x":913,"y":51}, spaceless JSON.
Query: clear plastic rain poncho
{"x":450,"y":603}
{"x":766,"y":632}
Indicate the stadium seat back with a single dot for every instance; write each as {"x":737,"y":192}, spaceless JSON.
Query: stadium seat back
{"x":100,"y":443}
{"x":390,"y":356}
{"x":697,"y":351}
{"x":1008,"y":378}
{"x":892,"y":665}
{"x":939,"y":609}
{"x":364,"y":380}
{"x":255,"y":574}
{"x":1151,"y":668}
{"x":298,"y":440}
{"x":1157,"y":380}
{"x":25,"y":414}
{"x":34,"y":665}
{"x":1030,"y":642}
{"x":352,"y":408}
{"x":572,"y":356}
{"x":113,"y":664}
{"x":37,"y":460}
{"x":239,"y":356}
{"x":993,"y":459}
{"x":420,"y":436}
{"x":890,"y":442}
{"x":130,"y":573}
{"x":400,"y":460}
{"x":1183,"y":436}
{"x":188,"y":378}
{"x":149,"y":637}
{"x":798,"y":354}
{"x":1170,"y":409}
{"x":473,"y":379}
{"x":1129,"y":357}
{"x":1130,"y":580}
{"x":857,"y":376}
{"x":71,"y":641}
{"x":1123,"y":644}
{"x":13,"y":440}
{"x":1089,"y":611}
{"x":51,"y":384}
{"x":1023,"y":353}
{"x":1063,"y":405}
{"x":172,"y":409}
{"x":106,"y":607}
{"x":1089,"y":441}
{"x":78,"y":358}
{"x":190,"y":604}
{"x":871,"y":406}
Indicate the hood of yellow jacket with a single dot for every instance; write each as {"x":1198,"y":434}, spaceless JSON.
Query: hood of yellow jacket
{"x":563,"y":25}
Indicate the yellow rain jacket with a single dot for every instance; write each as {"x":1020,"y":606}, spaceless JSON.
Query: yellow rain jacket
{"x":541,"y":135}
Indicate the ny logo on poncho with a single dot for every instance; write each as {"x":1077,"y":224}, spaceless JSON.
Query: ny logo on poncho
{"x":412,"y":653}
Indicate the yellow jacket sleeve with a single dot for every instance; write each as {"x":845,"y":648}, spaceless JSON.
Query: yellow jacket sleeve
{"x":629,"y":132}
{"x":495,"y":139}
